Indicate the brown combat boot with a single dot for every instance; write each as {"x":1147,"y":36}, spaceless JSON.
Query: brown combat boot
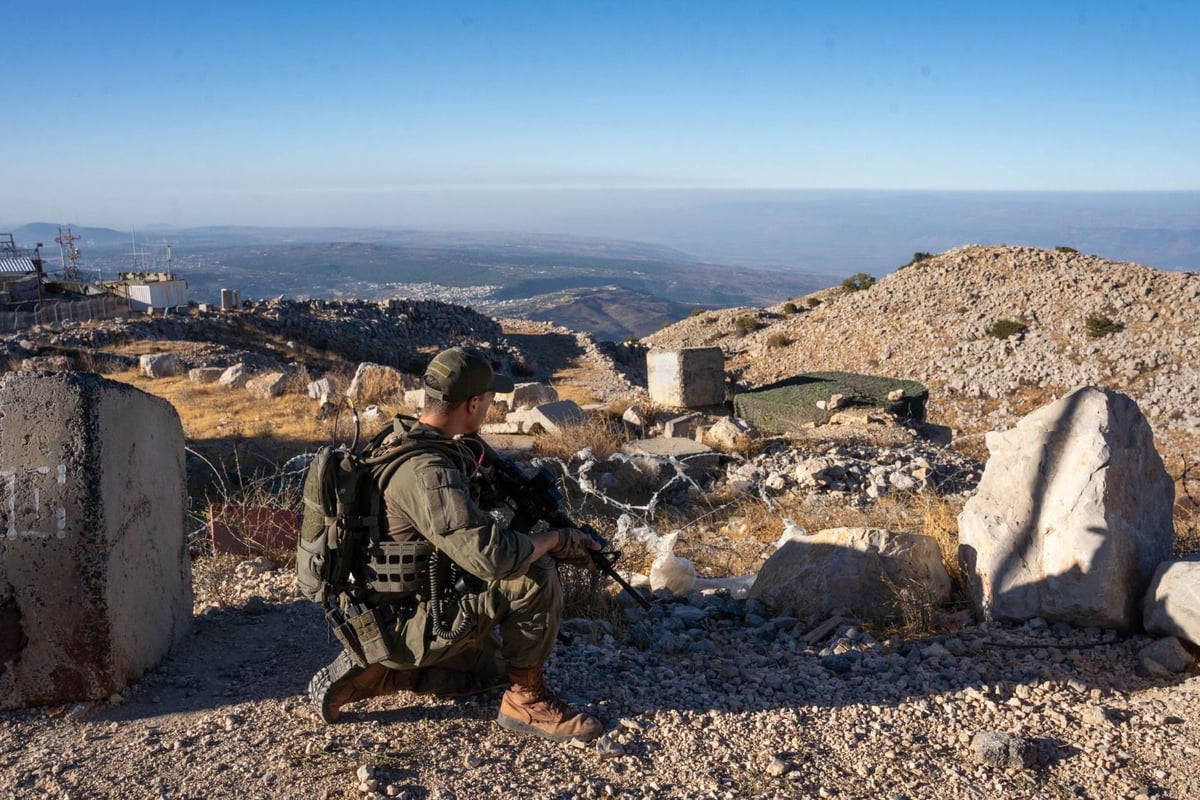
{"x":530,"y":706}
{"x":343,"y":681}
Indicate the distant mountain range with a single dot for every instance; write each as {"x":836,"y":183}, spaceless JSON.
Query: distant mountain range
{"x":613,"y":289}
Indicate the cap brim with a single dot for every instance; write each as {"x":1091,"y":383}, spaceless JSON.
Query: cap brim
{"x":502,"y":384}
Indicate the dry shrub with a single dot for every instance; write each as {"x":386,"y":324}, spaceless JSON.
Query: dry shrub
{"x":379,"y":388}
{"x":941,"y":524}
{"x":495,"y":414}
{"x":581,"y":395}
{"x":215,"y":580}
{"x":603,"y":436}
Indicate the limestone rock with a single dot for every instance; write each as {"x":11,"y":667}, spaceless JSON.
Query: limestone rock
{"x":873,"y":572}
{"x":376,"y":382}
{"x":1072,"y":516}
{"x":205,"y":375}
{"x":235,"y":377}
{"x":95,"y":580}
{"x":527,"y":395}
{"x":264,"y":387}
{"x":1172,"y":604}
{"x":157,"y":365}
{"x":729,"y":433}
{"x":1165,"y":657}
{"x":47,"y":363}
{"x":321,"y":389}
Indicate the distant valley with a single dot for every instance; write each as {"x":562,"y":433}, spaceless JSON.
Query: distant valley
{"x":613,"y":289}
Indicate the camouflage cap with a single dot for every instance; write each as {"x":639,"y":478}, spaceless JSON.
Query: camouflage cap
{"x":461,"y":373}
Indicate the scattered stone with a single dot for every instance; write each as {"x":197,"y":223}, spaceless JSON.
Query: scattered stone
{"x":1165,"y":657}
{"x":1002,"y":750}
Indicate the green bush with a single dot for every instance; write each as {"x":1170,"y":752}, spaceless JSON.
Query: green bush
{"x":857,"y":283}
{"x":778,"y":340}
{"x":745,"y":325}
{"x":790,"y":308}
{"x":1062,"y":248}
{"x":917,"y":257}
{"x":695,"y":312}
{"x":1004,"y":328}
{"x":1099,"y":325}
{"x":813,"y":302}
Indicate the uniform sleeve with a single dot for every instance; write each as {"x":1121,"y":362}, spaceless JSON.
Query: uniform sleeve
{"x":437,"y":498}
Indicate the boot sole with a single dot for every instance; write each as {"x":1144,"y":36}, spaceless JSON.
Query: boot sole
{"x":516,"y":726}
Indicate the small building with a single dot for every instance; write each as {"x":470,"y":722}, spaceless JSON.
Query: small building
{"x":146,"y":290}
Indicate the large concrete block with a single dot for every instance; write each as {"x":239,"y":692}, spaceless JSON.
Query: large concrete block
{"x":690,"y":377}
{"x":95,"y":584}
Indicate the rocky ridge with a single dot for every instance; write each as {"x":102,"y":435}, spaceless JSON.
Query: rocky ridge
{"x":929,"y":322}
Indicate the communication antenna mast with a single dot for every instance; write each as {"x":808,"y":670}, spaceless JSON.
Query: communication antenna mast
{"x":66,"y":246}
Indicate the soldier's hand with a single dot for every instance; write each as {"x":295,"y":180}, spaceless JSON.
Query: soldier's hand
{"x":574,"y":547}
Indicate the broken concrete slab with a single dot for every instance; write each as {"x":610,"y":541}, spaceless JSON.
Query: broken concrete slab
{"x":549,"y":417}
{"x":791,"y":405}
{"x":509,"y":444}
{"x":321,"y":389}
{"x":374,"y":383}
{"x":686,"y":378}
{"x":95,"y":581}
{"x":683,"y":426}
{"x":697,"y":456}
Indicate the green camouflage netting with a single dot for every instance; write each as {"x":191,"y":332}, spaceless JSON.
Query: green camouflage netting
{"x":792,"y":403}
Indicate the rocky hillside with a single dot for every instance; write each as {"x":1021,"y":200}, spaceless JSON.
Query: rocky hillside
{"x":930,"y":321}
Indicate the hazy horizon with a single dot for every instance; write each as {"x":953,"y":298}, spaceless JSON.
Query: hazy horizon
{"x":829,"y":231}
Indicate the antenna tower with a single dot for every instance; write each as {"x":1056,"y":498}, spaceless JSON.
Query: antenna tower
{"x":66,"y":246}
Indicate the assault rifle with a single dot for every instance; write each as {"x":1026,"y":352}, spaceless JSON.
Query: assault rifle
{"x":537,"y":498}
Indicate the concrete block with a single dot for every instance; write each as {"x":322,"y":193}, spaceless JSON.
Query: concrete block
{"x":527,"y":395}
{"x":686,"y":378}
{"x":95,"y":582}
{"x":268,"y":385}
{"x":157,"y":365}
{"x":234,"y":377}
{"x":415,"y":398}
{"x":684,"y":426}
{"x":700,"y":458}
{"x":205,"y":374}
{"x":549,"y":417}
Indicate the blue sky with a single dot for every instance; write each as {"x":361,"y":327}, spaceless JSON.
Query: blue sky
{"x":311,"y":113}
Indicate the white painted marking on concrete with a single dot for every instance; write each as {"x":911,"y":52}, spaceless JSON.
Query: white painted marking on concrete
{"x":37,"y":500}
{"x":42,"y":470}
{"x":31,"y":535}
{"x":62,"y":474}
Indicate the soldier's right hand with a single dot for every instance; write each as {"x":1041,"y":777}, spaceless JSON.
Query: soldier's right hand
{"x":574,"y":547}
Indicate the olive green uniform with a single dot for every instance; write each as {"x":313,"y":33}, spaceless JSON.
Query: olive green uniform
{"x":429,"y":497}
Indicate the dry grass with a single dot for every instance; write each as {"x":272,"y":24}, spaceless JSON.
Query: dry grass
{"x":580,"y":394}
{"x":596,"y":431}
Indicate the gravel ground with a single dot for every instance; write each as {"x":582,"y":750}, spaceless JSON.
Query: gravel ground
{"x":704,"y":699}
